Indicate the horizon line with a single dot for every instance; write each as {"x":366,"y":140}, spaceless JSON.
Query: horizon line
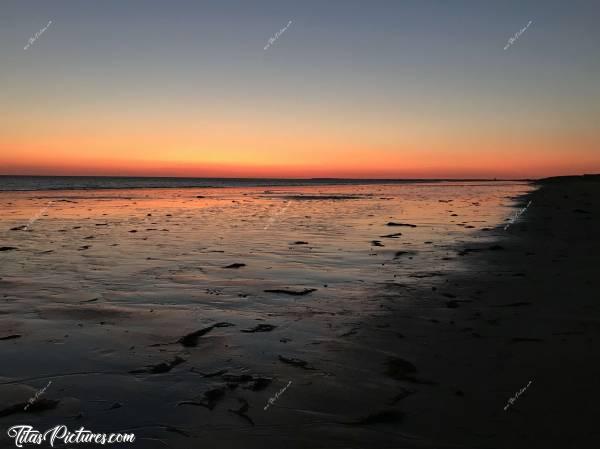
{"x":280,"y":179}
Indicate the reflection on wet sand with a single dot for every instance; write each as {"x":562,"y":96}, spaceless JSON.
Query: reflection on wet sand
{"x":190,"y":307}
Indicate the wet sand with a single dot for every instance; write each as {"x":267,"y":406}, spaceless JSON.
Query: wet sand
{"x":392,"y":336}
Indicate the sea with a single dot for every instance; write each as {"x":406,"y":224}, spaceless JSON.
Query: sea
{"x":15,"y":183}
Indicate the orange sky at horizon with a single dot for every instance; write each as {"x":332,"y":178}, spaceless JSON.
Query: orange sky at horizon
{"x":156,"y":136}
{"x":401,"y":90}
{"x":251,"y":150}
{"x":513,"y":166}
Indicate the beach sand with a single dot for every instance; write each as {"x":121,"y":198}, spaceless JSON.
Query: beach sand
{"x":183,"y":330}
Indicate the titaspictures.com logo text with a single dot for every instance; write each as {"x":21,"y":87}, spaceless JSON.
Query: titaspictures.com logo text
{"x":24,"y":434}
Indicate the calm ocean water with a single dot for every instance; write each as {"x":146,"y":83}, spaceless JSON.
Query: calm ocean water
{"x":13,"y":183}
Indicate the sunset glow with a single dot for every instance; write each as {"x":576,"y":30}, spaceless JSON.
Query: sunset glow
{"x":175,"y":95}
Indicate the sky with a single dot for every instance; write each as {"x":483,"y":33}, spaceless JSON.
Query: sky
{"x":358,"y":89}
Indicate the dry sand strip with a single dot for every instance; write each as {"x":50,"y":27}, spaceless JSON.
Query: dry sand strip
{"x":528,"y":313}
